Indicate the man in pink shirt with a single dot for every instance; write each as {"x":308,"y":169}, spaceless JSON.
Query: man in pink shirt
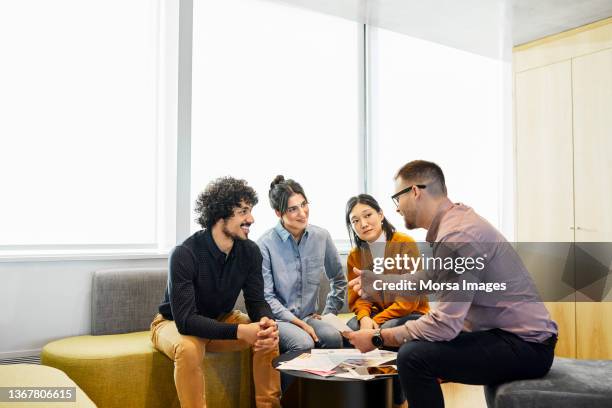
{"x":473,"y":335}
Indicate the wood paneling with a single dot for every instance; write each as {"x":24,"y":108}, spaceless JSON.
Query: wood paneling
{"x":592,"y":90}
{"x":564,"y":46}
{"x":594,"y":330}
{"x":545,"y":211}
{"x":564,"y":313}
{"x":463,"y":396}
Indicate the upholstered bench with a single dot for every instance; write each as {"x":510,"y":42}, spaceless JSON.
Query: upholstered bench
{"x":33,"y":375}
{"x":569,"y":384}
{"x":117,"y":366}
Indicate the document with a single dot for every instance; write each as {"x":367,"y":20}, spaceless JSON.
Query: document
{"x":309,"y":362}
{"x":358,"y":365}
{"x":336,"y":322}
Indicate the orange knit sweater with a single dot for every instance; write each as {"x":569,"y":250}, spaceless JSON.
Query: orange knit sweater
{"x":381,"y":312}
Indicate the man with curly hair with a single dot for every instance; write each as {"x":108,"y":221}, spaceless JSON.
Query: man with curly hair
{"x":206,"y":274}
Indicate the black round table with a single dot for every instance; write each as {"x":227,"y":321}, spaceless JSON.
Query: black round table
{"x":313,"y":391}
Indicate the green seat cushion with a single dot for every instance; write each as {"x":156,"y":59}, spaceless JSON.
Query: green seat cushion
{"x":33,"y":375}
{"x":122,"y":370}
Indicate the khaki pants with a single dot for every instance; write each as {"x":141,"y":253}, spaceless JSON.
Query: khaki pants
{"x":187,"y":352}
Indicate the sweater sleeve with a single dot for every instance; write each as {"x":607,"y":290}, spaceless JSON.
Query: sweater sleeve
{"x":182,"y":271}
{"x":357,"y":305}
{"x":403,"y":245}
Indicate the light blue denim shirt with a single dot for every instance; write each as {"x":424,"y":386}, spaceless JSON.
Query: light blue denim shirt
{"x":292,"y":272}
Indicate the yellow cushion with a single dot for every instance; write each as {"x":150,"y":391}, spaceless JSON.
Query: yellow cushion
{"x":125,"y":370}
{"x":31,"y":375}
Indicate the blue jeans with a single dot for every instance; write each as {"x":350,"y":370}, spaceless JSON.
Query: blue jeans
{"x":293,"y":338}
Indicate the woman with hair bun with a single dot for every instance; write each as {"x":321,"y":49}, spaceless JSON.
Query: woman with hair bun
{"x":296,"y":254}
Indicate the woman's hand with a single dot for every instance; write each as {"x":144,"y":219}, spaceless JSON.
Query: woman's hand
{"x":355,"y":283}
{"x":366,"y":323}
{"x":307,"y":328}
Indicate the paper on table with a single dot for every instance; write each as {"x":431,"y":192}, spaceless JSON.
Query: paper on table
{"x":336,"y":322}
{"x":308,"y":361}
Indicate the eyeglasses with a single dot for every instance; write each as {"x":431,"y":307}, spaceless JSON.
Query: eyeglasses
{"x":395,"y":197}
{"x":294,"y":208}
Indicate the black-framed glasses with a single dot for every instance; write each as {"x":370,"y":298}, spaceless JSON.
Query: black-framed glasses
{"x":395,"y":197}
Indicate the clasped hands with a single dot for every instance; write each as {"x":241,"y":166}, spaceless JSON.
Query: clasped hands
{"x":262,"y":335}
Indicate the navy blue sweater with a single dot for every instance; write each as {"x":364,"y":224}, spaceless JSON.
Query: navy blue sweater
{"x":203,"y":284}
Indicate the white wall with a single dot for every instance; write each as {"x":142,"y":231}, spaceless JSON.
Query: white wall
{"x":41,"y":301}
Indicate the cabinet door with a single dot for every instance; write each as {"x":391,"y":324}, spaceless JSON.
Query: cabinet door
{"x":592,"y":87}
{"x":545,"y":211}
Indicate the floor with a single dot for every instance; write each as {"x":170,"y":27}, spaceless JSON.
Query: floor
{"x":463,"y":396}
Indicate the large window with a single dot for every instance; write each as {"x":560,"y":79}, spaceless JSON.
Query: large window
{"x":79,"y":140}
{"x":439,"y":104}
{"x":275,"y":91}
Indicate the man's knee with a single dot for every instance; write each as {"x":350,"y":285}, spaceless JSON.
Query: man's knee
{"x":414,"y":357}
{"x":189,"y":351}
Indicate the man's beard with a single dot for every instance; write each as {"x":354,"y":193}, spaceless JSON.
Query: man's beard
{"x":233,"y":235}
{"x":410,"y":224}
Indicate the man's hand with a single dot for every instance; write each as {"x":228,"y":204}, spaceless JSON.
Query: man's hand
{"x":366,"y":323}
{"x":362,"y":339}
{"x":266,"y":322}
{"x":355,"y":283}
{"x":267,"y":337}
{"x":248,"y":332}
{"x":316,"y":316}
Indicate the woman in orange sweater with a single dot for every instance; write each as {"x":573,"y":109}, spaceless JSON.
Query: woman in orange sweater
{"x":375,"y":237}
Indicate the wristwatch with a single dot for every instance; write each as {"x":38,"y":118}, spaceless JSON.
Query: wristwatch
{"x":377,"y":339}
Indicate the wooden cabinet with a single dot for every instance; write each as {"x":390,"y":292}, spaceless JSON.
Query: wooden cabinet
{"x":545,"y":210}
{"x":592,"y":89}
{"x":545,"y":205}
{"x":563,"y":136}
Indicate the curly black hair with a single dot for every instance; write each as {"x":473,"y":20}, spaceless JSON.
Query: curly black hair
{"x":220,"y":198}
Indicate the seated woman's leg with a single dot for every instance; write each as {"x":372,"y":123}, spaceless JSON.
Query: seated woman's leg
{"x":328,"y":336}
{"x":398,"y":321}
{"x":353,"y":323}
{"x":292,"y":338}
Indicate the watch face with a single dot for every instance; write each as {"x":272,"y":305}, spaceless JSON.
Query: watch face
{"x":377,"y":341}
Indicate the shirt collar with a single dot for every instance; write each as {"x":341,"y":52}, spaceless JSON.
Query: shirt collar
{"x":284,"y":234}
{"x":212,"y":246}
{"x":432,"y":232}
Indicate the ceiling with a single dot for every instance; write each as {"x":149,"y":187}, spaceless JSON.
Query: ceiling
{"x":485,"y":27}
{"x":534,"y":19}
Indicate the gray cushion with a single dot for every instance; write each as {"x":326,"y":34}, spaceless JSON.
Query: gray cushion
{"x":569,"y":384}
{"x":126,"y":300}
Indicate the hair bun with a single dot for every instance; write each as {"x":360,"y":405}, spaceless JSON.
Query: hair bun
{"x":277,"y":180}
